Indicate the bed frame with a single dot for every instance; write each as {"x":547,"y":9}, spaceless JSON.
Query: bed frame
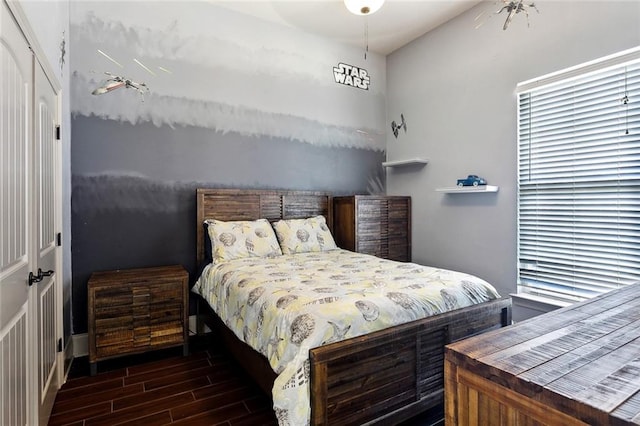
{"x":384,"y":377}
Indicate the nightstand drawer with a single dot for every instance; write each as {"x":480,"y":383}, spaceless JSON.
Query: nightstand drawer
{"x":165,"y":314}
{"x":113,"y":297}
{"x":114,"y":338}
{"x":164,"y":292}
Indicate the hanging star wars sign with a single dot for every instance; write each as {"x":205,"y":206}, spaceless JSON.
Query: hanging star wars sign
{"x":350,"y":75}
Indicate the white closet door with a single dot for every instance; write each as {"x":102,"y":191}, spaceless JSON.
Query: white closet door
{"x":45,"y":310}
{"x":15,"y":226}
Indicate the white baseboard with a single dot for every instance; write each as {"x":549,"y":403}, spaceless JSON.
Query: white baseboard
{"x":80,"y":343}
{"x":67,"y":359}
{"x":192,"y":325}
{"x":68,"y":355}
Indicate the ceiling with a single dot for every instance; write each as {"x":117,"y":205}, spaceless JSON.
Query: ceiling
{"x":397,"y":23}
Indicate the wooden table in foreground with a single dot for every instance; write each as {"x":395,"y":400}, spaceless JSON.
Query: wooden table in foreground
{"x":574,"y":366}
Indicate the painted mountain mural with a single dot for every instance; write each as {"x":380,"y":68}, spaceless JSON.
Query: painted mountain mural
{"x":232,"y":101}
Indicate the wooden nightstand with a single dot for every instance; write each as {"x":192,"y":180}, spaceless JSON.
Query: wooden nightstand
{"x":136,"y":310}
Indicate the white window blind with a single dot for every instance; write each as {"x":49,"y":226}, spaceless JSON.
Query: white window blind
{"x":579,"y":184}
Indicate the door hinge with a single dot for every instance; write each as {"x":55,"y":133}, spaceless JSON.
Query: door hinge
{"x":57,"y":133}
{"x":60,"y":344}
{"x":59,"y":239}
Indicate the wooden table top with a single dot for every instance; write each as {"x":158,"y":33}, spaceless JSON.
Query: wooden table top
{"x":583,"y":359}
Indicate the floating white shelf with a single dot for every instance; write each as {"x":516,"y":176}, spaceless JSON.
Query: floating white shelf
{"x":407,"y":162}
{"x":468,"y":189}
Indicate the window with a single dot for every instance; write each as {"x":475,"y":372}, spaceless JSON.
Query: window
{"x":579,"y":180}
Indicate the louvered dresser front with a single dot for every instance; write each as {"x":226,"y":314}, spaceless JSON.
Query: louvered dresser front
{"x":372,"y":224}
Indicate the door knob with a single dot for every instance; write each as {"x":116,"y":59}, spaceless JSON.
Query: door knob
{"x":37,"y":278}
{"x":45,"y":273}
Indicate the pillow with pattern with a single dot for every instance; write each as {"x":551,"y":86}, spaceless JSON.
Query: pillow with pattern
{"x":238,"y":239}
{"x":304,"y":235}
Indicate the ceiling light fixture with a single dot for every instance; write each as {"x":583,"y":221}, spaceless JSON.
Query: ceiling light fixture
{"x":363,"y":7}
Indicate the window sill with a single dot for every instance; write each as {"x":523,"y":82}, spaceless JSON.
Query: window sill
{"x":527,"y":306}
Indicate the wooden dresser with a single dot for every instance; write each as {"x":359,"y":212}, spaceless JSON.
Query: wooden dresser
{"x":574,"y":366}
{"x":136,"y":310}
{"x":377,"y":225}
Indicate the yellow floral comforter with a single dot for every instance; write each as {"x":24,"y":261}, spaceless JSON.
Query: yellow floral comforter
{"x":285,"y":305}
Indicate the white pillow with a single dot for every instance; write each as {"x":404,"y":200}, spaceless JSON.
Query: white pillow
{"x":304,"y":235}
{"x":239,"y":239}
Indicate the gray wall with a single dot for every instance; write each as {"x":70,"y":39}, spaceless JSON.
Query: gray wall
{"x":456,"y":89}
{"x":234,"y":102}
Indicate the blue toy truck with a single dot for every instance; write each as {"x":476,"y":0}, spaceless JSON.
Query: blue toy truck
{"x":471,"y":180}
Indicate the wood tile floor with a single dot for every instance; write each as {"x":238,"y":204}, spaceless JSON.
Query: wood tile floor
{"x":163,"y":387}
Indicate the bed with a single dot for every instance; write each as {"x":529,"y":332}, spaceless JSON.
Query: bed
{"x":383,"y":376}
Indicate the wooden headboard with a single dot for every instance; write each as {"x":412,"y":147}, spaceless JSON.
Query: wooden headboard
{"x":252,"y":204}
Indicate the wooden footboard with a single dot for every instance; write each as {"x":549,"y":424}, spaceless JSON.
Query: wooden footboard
{"x":393,"y":374}
{"x":384,"y":377}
